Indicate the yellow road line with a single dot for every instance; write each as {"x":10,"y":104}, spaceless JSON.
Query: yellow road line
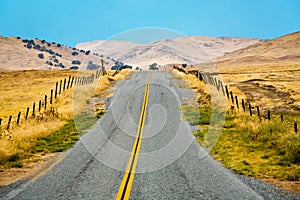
{"x":126,"y":184}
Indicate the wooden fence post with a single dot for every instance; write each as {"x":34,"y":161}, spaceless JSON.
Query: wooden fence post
{"x":60,"y":86}
{"x":226,"y":89}
{"x":51,"y":95}
{"x":258,"y":111}
{"x":200,"y":77}
{"x":33,"y":109}
{"x":45,"y":102}
{"x":222,"y":88}
{"x":0,"y":121}
{"x":281,"y":117}
{"x":231,"y":95}
{"x":237,"y":102}
{"x":65,"y":80}
{"x":27,"y":112}
{"x":72,"y":81}
{"x":69,"y":82}
{"x":250,"y":109}
{"x":56,"y":86}
{"x":40,"y":105}
{"x":295,"y":127}
{"x":243,"y":105}
{"x":9,"y":121}
{"x":269,"y":115}
{"x":18,"y":119}
{"x":216,"y":84}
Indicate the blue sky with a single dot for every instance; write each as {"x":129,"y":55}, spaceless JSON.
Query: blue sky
{"x":73,"y":21}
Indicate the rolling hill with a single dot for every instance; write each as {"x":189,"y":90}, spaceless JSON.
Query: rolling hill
{"x":190,"y":50}
{"x":280,"y":50}
{"x":23,"y":54}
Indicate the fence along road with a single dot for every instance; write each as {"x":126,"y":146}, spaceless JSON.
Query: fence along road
{"x":169,"y":164}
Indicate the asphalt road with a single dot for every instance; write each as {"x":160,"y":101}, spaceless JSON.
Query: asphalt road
{"x":170,"y":164}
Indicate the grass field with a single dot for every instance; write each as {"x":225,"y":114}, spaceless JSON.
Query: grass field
{"x":253,"y":146}
{"x":51,"y":130}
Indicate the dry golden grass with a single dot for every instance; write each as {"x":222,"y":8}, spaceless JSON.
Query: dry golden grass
{"x":23,"y":88}
{"x":249,"y":145}
{"x":19,"y":139}
{"x":274,"y":87}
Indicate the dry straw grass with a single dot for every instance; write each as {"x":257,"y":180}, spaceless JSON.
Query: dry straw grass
{"x":19,"y":140}
{"x":255,"y":146}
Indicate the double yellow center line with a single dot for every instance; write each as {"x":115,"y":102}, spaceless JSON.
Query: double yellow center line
{"x":126,"y":184}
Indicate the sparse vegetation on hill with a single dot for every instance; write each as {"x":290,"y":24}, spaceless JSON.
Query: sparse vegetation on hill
{"x":22,"y":54}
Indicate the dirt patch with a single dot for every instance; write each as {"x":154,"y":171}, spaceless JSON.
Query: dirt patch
{"x":32,"y":169}
{"x":293,"y":186}
{"x":258,"y":92}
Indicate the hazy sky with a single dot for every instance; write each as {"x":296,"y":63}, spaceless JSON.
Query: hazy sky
{"x":73,"y":21}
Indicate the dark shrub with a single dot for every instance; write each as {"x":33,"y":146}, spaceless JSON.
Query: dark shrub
{"x":25,"y":40}
{"x":55,"y":60}
{"x":76,"y":62}
{"x":61,"y":65}
{"x":29,"y":46}
{"x":49,"y":63}
{"x":57,"y":54}
{"x":74,"y":68}
{"x":41,"y":56}
{"x":74,"y":53}
{"x":37,"y":47}
{"x":58,"y":45}
{"x":18,"y":37}
{"x":92,"y":66}
{"x":51,"y":52}
{"x":87,"y":52}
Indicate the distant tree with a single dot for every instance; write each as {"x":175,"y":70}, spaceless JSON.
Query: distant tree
{"x":74,"y":53}
{"x":51,"y":52}
{"x":114,"y":67}
{"x":18,"y":37}
{"x":29,"y":46}
{"x":137,"y":68}
{"x":57,"y":54}
{"x":58,"y":45}
{"x":48,"y":44}
{"x":49,"y":63}
{"x":74,"y":68}
{"x":37,"y":47}
{"x":43,"y":49}
{"x":41,"y":56}
{"x":184,"y":65}
{"x":76,"y":62}
{"x":61,"y":65}
{"x":87,"y":52}
{"x":74,"y":48}
{"x":43,"y":41}
{"x":56,"y":60}
{"x":24,"y":40}
{"x":127,"y":67}
{"x":82,"y":51}
{"x":153,"y":66}
{"x":92,"y":66}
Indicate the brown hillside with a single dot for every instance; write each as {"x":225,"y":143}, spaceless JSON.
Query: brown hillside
{"x":285,"y":49}
{"x":22,"y":54}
